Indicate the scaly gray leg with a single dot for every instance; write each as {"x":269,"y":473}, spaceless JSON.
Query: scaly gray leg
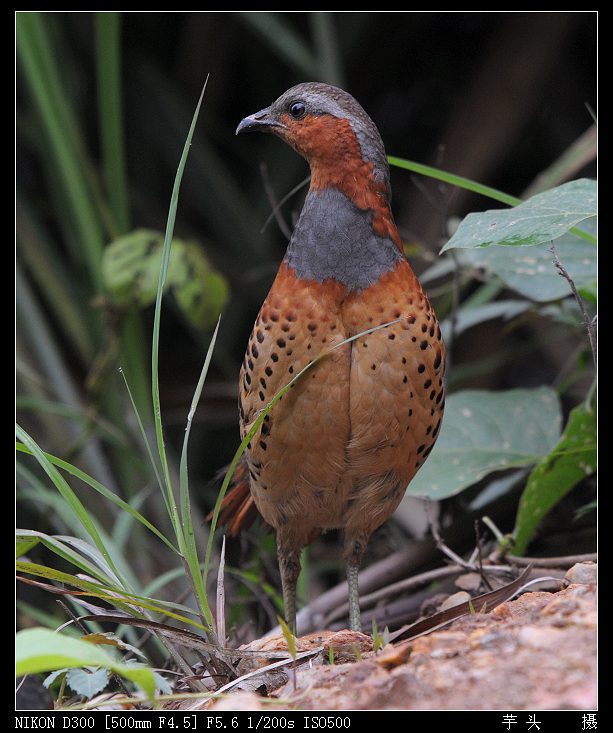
{"x":354,"y":549}
{"x":355,"y":622}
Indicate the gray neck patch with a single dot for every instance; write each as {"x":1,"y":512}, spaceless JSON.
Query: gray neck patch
{"x":334,"y":239}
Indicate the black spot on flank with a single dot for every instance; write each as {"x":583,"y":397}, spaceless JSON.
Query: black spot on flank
{"x":268,"y":371}
{"x":266,"y":418}
{"x":289,"y":352}
{"x":364,"y":344}
{"x":413,"y":339}
{"x":437,"y":361}
{"x":411,"y":319}
{"x":436,"y":427}
{"x":248,"y":378}
{"x":263,"y":382}
{"x":405,"y":379}
{"x":292,"y":336}
{"x":428,"y":429}
{"x":249,"y":445}
{"x":423,"y":345}
{"x":263,"y":444}
{"x":424,"y":327}
{"x":427,"y":383}
{"x":274,"y":317}
{"x":411,"y":395}
{"x":254,"y":351}
{"x":432,"y":412}
{"x":428,"y":451}
{"x":264,"y":319}
{"x":404,"y":360}
{"x":439,"y":396}
{"x":421,"y":448}
{"x":253,"y":476}
{"x":309,"y":347}
{"x":281,"y":343}
{"x":262,"y":396}
{"x":421,"y":368}
{"x":396,"y":314}
{"x":410,"y":413}
{"x":374,"y":366}
{"x":290,"y":317}
{"x":431,"y":330}
{"x":274,"y":356}
{"x":291,"y":370}
{"x":312,"y":327}
{"x":260,"y":336}
{"x":418,"y":464}
{"x":438,"y":333}
{"x":250,"y":364}
{"x":432,"y":394}
{"x":265,"y":430}
{"x":285,"y":327}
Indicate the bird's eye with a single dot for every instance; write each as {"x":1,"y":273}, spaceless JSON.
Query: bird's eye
{"x":297,"y":110}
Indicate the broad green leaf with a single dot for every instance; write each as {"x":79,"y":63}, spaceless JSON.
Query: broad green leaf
{"x":483,"y":432}
{"x":542,"y":218}
{"x":532,"y":273}
{"x":469,"y":317}
{"x":88,"y":681}
{"x":131,"y":267}
{"x":201,"y":292}
{"x":41,"y":650}
{"x":570,"y":461}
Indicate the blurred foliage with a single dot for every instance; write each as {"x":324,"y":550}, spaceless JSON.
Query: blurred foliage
{"x":104,"y":103}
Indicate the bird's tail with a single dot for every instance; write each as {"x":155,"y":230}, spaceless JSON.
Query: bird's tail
{"x":238,"y":510}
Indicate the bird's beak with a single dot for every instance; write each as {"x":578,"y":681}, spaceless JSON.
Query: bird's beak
{"x":262,"y":121}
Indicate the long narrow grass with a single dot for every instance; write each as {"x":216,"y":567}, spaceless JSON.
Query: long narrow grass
{"x":468,"y":185}
{"x":71,"y":499}
{"x":49,"y":97}
{"x":101,"y":489}
{"x":184,"y":500}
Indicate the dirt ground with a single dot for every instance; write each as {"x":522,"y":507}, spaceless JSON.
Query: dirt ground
{"x":537,"y":652}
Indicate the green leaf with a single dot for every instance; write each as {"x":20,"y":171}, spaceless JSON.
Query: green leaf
{"x":468,"y":317}
{"x":23,"y":546}
{"x":532,"y":273}
{"x":542,"y":218}
{"x":88,"y":681}
{"x":483,"y":432}
{"x":570,"y":461}
{"x":200,"y":291}
{"x":41,"y":650}
{"x":131,"y":267}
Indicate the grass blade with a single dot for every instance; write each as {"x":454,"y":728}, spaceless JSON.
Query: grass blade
{"x":155,"y":386}
{"x":43,"y":78}
{"x":466,"y":183}
{"x":108,"y":64}
{"x":101,"y":489}
{"x":191,"y":550}
{"x":70,"y":497}
{"x":283,"y":39}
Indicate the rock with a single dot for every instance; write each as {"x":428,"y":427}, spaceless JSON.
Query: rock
{"x":582,"y":573}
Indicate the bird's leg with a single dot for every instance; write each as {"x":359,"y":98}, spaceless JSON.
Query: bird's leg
{"x":289,"y":565}
{"x":354,"y":549}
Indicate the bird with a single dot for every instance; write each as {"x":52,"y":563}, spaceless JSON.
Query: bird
{"x":339,"y":449}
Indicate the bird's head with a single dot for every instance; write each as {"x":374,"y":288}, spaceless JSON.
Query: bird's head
{"x":329,"y":128}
